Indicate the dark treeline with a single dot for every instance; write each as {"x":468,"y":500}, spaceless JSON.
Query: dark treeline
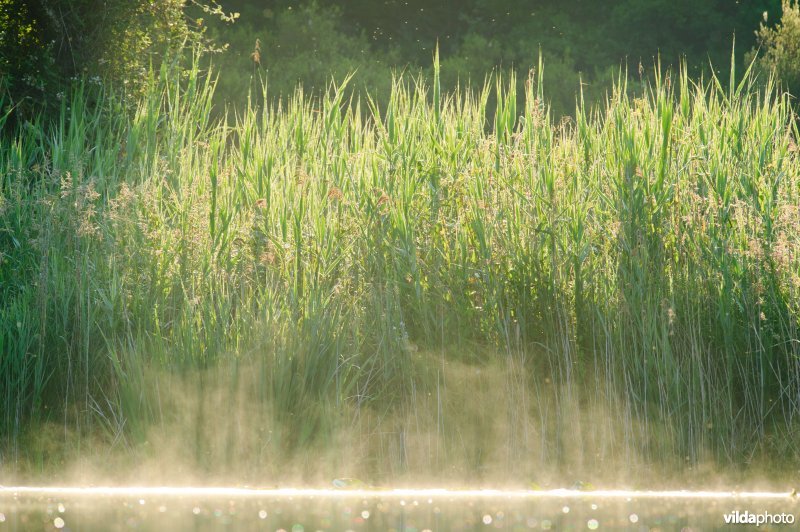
{"x":592,"y":32}
{"x":46,"y":42}
{"x":580,"y":40}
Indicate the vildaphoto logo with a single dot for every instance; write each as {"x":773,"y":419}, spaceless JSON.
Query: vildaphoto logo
{"x":764,"y":518}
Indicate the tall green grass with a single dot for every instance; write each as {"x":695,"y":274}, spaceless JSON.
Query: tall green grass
{"x":338,"y":257}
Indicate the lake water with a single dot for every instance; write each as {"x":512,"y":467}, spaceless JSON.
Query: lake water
{"x":166,"y":509}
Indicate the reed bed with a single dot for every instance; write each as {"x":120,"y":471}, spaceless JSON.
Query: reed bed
{"x":631,"y":274}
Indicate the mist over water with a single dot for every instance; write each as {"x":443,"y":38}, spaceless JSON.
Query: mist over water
{"x":466,"y":425}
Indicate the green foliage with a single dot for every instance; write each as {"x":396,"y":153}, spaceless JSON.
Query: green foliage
{"x":26,"y":64}
{"x":779,"y":52}
{"x":642,"y":258}
{"x":581,"y":41}
{"x":305,"y":45}
{"x":47,"y":44}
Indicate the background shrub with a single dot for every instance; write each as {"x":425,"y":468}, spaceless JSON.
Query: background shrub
{"x":45,"y":44}
{"x":780,"y":47}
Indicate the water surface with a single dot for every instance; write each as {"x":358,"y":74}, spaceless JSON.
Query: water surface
{"x":300,"y":510}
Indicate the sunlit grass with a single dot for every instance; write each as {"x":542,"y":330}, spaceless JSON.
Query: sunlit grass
{"x":322,"y":263}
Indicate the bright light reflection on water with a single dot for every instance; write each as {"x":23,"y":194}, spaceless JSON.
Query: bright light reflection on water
{"x":300,"y":510}
{"x":381,"y":493}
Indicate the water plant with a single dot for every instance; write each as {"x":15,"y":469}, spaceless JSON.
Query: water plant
{"x":627,"y":280}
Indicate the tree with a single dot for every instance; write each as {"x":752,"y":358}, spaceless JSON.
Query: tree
{"x":44,"y":44}
{"x":780,"y":48}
